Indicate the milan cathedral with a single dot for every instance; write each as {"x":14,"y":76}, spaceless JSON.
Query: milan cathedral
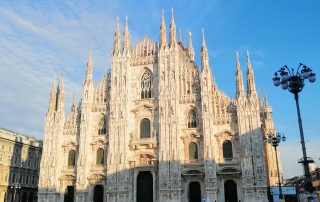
{"x":158,"y":128}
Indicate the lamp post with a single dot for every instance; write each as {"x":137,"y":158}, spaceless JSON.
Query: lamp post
{"x":293,"y":81}
{"x":15,"y":187}
{"x":275,"y":140}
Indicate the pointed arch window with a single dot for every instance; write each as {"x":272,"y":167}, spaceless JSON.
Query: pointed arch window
{"x":192,"y":119}
{"x":102,"y":127}
{"x":145,"y":128}
{"x":193,"y":151}
{"x":72,"y":158}
{"x":100,"y":156}
{"x":146,"y":81}
{"x":227,"y":149}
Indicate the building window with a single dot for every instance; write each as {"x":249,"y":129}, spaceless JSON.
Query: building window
{"x":72,"y":158}
{"x":0,"y":157}
{"x":146,"y":85}
{"x":100,"y":156}
{"x":102,"y":128}
{"x":192,"y":119}
{"x":227,"y":149}
{"x":13,"y":178}
{"x":2,"y":146}
{"x":145,"y":128}
{"x":193,"y":151}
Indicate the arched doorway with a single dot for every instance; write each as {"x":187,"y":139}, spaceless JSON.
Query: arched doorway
{"x":230,"y":191}
{"x":98,"y":193}
{"x":194,"y":193}
{"x":24,"y":197}
{"x":144,"y":187}
{"x":69,"y":194}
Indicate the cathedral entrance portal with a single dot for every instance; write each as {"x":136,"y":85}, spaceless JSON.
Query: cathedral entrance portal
{"x":230,"y":191}
{"x":69,"y":194}
{"x":98,"y":193}
{"x":194,"y":194}
{"x":144,"y":187}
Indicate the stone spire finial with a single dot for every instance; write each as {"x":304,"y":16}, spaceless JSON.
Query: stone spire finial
{"x":116,"y":48}
{"x":163,"y":31}
{"x":266,"y":102}
{"x":126,"y":36}
{"x":191,"y":50}
{"x":251,"y":86}
{"x":204,"y":52}
{"x":239,"y":78}
{"x":73,"y":106}
{"x":60,"y":102}
{"x":173,"y":37}
{"x":89,"y":68}
{"x":53,"y":97}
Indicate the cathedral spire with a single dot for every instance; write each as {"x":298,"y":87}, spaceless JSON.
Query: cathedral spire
{"x":89,"y":68}
{"x":116,"y":48}
{"x":53,"y":97}
{"x":191,"y":50}
{"x":204,"y":52}
{"x":126,"y":37}
{"x":163,"y":31}
{"x":266,"y":102}
{"x":173,"y":38}
{"x":251,"y":86}
{"x":239,"y":78}
{"x":60,"y":101}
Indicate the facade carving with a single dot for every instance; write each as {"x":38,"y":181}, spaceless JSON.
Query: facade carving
{"x":156,"y":120}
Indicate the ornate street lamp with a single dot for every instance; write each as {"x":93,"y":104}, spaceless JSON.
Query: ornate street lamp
{"x":15,"y":187}
{"x":294,"y":83}
{"x":275,"y":140}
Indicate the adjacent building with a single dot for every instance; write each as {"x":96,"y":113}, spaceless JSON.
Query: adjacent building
{"x":20,"y":157}
{"x":158,"y":128}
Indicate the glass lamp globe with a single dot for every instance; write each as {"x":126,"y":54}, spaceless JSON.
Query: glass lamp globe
{"x":312,"y":77}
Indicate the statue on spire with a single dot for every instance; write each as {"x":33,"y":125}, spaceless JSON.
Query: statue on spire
{"x":163,"y":31}
{"x":191,"y":50}
{"x":173,"y":38}
{"x":251,"y":86}
{"x":204,"y":52}
{"x":60,"y":100}
{"x":116,"y":48}
{"x":239,"y":78}
{"x":53,"y":97}
{"x":126,"y":37}
{"x":89,"y":68}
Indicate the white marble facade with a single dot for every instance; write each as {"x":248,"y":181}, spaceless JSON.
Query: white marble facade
{"x":156,"y":122}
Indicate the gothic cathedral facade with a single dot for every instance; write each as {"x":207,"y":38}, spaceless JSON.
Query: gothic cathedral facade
{"x":158,"y":128}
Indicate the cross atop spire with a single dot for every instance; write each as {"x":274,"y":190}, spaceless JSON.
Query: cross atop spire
{"x":173,"y":37}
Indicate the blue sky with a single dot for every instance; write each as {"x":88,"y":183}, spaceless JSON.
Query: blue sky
{"x":39,"y":39}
